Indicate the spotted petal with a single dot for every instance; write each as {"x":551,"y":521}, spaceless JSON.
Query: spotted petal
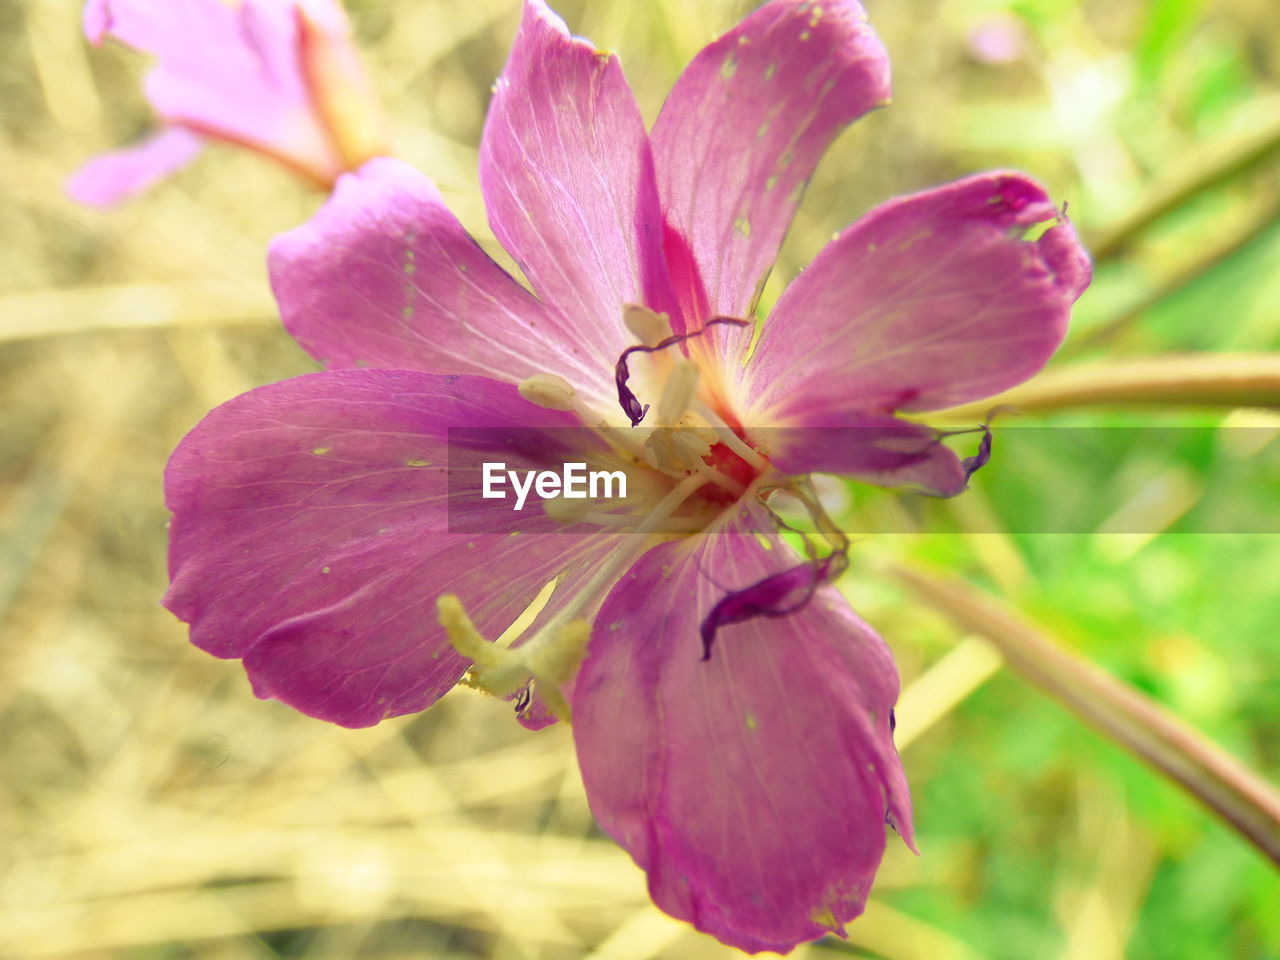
{"x":930,"y":300}
{"x":314,"y":528}
{"x":753,"y":787}
{"x":385,"y":276}
{"x":742,"y":131}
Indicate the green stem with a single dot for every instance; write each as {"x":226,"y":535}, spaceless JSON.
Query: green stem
{"x":1225,"y":380}
{"x":1207,"y":170}
{"x":1205,"y":263}
{"x":1221,"y":783}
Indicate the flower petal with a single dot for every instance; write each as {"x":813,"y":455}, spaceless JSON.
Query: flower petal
{"x":928,"y":301}
{"x":385,"y":276}
{"x":228,"y":71}
{"x":743,"y":130}
{"x":115,"y":176}
{"x":312,"y":534}
{"x":754,"y":787}
{"x":873,"y":448}
{"x":568,"y":181}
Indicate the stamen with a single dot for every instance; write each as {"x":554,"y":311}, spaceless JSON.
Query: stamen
{"x":689,"y":445}
{"x":678,"y":393}
{"x":979,"y":460}
{"x":648,"y":327}
{"x":554,"y":664}
{"x":975,"y":463}
{"x":770,"y":597}
{"x":730,"y":439}
{"x":502,"y":672}
{"x":776,"y":596}
{"x":548,"y":391}
{"x":721,"y":480}
{"x":626,"y":396}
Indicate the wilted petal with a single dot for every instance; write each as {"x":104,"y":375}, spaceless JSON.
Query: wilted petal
{"x":928,"y":301}
{"x":385,"y":276}
{"x":743,"y":130}
{"x":568,"y":180}
{"x":115,"y":176}
{"x":753,"y":787}
{"x":874,"y":448}
{"x":230,"y":71}
{"x":311,"y":535}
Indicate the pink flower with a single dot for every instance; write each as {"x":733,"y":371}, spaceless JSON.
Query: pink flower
{"x":277,"y":76}
{"x":732,"y":716}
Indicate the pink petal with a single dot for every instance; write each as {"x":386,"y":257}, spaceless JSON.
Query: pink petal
{"x":312,"y":535}
{"x":754,"y":787}
{"x":112,"y":177}
{"x":872,"y":448}
{"x":928,"y":301}
{"x":385,"y":276}
{"x":97,"y":20}
{"x":568,"y":180}
{"x":232,"y":72}
{"x":743,"y":130}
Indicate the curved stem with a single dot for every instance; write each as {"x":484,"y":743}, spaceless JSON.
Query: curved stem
{"x":1219,"y":781}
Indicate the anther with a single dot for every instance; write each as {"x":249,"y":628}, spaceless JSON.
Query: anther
{"x":548,"y":391}
{"x":554,"y":664}
{"x":646,"y":326}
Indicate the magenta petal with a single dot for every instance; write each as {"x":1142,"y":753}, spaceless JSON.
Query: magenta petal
{"x":568,"y":181}
{"x":112,"y":177}
{"x":745,"y":126}
{"x":385,"y":276}
{"x":311,"y":537}
{"x":230,"y":71}
{"x":873,"y":448}
{"x":754,"y":787}
{"x":928,"y":301}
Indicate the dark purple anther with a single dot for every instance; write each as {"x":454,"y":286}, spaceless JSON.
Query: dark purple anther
{"x":770,"y":597}
{"x":973,"y":464}
{"x":626,"y":397}
{"x":523,"y":701}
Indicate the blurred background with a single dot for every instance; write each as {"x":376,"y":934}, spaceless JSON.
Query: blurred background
{"x":151,"y":808}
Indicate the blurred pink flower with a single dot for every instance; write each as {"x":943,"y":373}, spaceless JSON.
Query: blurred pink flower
{"x":733,"y":715}
{"x":998,"y":39}
{"x":277,"y":76}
